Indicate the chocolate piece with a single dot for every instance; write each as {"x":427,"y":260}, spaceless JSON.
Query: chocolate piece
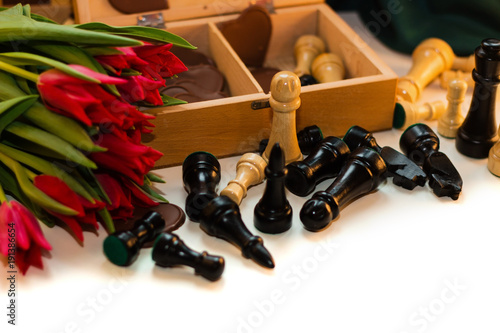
{"x":264,"y":75}
{"x":191,"y":57}
{"x":172,"y":214}
{"x":249,"y":35}
{"x":206,"y":76}
{"x":189,"y":90}
{"x":133,"y":6}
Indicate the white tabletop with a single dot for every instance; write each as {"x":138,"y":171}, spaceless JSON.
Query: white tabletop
{"x":394,"y":261}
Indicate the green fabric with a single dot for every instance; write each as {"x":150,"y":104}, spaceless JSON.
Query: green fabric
{"x":403,"y":24}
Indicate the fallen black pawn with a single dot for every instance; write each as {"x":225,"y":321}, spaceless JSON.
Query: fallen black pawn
{"x":122,"y":248}
{"x":404,"y":172}
{"x":324,"y":162}
{"x":221,"y":218}
{"x":363,"y":172}
{"x":169,"y":251}
{"x":421,"y":145}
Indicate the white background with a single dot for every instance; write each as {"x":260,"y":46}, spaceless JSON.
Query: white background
{"x":394,"y":261}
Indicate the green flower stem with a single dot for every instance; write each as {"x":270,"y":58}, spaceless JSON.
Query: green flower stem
{"x":50,"y":141}
{"x":18,"y":71}
{"x":31,"y":191}
{"x":3,"y":197}
{"x":47,"y":168}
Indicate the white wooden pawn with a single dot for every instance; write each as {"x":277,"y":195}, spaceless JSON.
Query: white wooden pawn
{"x":306,"y":49}
{"x":328,"y":67}
{"x":250,"y":170}
{"x":430,"y":58}
{"x":494,"y":158}
{"x":284,"y":101}
{"x":451,"y":120}
{"x":414,"y":113}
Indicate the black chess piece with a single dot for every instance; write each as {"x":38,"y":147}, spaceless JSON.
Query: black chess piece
{"x":222,"y":218}
{"x":201,"y":177}
{"x":308,"y":138}
{"x":363,"y":172}
{"x":404,"y":172}
{"x":169,"y":251}
{"x":122,"y":248}
{"x":324,"y":162}
{"x":307,"y":80}
{"x":273,"y":213}
{"x":478,"y":132}
{"x":421,"y":145}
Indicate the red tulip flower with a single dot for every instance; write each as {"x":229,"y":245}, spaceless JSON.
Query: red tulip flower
{"x":161,"y":62}
{"x":88,"y":102}
{"x":58,"y":190}
{"x":29,"y":238}
{"x":154,"y":62}
{"x":124,"y":195}
{"x":116,"y":63}
{"x":131,"y":159}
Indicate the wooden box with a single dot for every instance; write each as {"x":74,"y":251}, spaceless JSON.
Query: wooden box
{"x":236,"y":124}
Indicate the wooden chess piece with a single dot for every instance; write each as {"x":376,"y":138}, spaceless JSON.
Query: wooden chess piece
{"x":308,"y":138}
{"x":324,"y":162}
{"x":306,"y":49}
{"x":421,"y":145}
{"x":404,"y":172}
{"x":451,"y":75}
{"x":494,"y":158}
{"x":273,"y":213}
{"x":363,"y":172}
{"x":284,"y":100}
{"x":201,"y":177}
{"x":430,"y":58}
{"x":122,"y":248}
{"x":451,"y":120}
{"x":249,"y":172}
{"x":478,"y":132}
{"x":406,"y":113}
{"x":464,"y":64}
{"x":221,"y":218}
{"x":328,"y":67}
{"x":170,"y":251}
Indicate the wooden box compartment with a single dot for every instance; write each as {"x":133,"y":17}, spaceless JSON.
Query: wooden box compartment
{"x":236,"y":124}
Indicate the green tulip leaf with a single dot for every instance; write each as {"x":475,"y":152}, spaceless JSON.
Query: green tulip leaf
{"x":11,"y":109}
{"x":142,"y":33}
{"x":23,"y":58}
{"x":13,"y":23}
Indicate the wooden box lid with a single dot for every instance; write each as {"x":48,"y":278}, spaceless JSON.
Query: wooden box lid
{"x":174,"y":10}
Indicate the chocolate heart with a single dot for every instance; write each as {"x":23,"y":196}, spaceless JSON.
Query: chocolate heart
{"x":264,"y":76}
{"x":249,"y":35}
{"x":191,"y":57}
{"x":206,"y":76}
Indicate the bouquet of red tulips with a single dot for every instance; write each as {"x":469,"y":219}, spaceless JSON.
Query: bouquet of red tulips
{"x":70,"y":125}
